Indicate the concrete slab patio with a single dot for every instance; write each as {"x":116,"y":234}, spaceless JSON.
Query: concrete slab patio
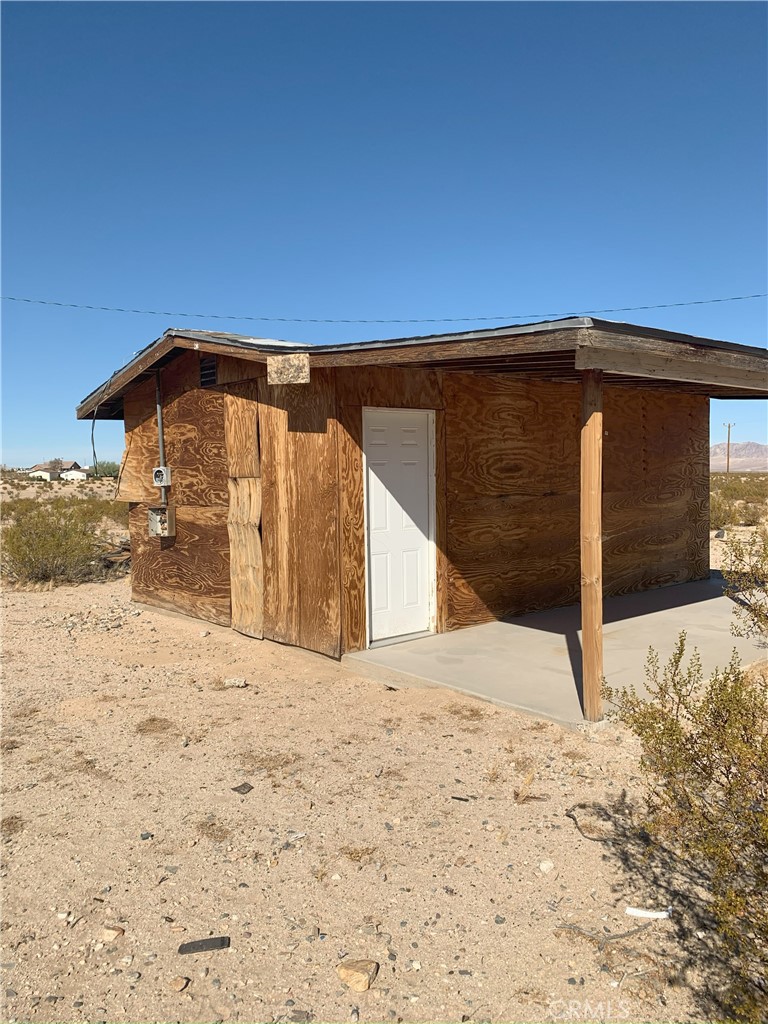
{"x":533,"y":663}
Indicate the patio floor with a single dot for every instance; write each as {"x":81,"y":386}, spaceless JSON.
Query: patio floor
{"x":533,"y":663}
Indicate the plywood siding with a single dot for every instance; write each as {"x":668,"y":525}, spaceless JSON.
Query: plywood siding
{"x":300,"y":541}
{"x":193,"y":428}
{"x":512,"y":473}
{"x":245,"y":558}
{"x":188,"y":573}
{"x":656,"y":489}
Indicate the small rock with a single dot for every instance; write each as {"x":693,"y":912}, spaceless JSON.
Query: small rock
{"x":499,"y":919}
{"x":546,"y":866}
{"x":358,"y":974}
{"x":178,"y":984}
{"x":112,"y":932}
{"x":147,"y":835}
{"x":10,"y":994}
{"x":234,"y":683}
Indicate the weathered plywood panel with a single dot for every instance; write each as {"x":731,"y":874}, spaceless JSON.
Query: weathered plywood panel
{"x":352,"y":528}
{"x":193,"y":429}
{"x":300,"y":543}
{"x":246,"y":568}
{"x":278,"y":534}
{"x":389,"y":387}
{"x":512,"y":469}
{"x":230,"y":370}
{"x":188,"y":573}
{"x":241,"y":429}
{"x":313,"y":427}
{"x":134,"y":481}
{"x":507,"y":436}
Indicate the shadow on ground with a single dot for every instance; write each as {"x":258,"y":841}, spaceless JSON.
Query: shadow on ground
{"x":656,"y":873}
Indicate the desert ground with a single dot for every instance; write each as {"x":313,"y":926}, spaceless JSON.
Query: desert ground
{"x":484,"y":860}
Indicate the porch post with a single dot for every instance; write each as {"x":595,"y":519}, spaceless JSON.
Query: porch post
{"x":591,"y":542}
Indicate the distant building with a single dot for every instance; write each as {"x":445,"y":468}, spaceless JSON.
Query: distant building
{"x":44,"y":471}
{"x":77,"y":474}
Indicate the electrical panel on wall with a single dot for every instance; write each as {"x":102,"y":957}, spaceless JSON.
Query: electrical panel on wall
{"x":161,"y":476}
{"x":162,"y":522}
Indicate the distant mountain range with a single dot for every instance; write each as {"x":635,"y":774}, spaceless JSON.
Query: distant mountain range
{"x":746,"y":457}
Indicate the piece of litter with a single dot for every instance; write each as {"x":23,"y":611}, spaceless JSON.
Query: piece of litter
{"x":204,"y":945}
{"x":243,"y":789}
{"x":653,"y":914}
{"x":464,"y":799}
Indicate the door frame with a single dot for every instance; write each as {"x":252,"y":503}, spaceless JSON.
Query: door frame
{"x":431,"y":544}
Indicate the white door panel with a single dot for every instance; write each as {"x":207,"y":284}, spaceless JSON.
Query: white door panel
{"x":399,"y":516}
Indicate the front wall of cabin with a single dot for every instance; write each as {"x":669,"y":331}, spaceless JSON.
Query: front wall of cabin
{"x":268,"y":487}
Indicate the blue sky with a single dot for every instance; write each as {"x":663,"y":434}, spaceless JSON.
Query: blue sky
{"x":363,"y":161}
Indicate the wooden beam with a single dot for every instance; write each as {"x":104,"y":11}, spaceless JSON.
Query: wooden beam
{"x":591,"y":542}
{"x":714,"y":368}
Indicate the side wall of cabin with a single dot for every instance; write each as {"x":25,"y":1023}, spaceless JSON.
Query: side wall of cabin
{"x":268,"y":490}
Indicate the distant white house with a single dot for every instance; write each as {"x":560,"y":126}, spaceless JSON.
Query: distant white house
{"x":43,"y":471}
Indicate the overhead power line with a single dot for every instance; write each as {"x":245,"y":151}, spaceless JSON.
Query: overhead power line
{"x":421,"y":320}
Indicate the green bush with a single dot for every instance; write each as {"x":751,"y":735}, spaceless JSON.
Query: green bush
{"x":54,"y":541}
{"x":705,"y":759}
{"x":746,"y":577}
{"x":722,"y":512}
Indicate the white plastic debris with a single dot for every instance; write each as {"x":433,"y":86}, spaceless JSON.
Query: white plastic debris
{"x":654,"y":915}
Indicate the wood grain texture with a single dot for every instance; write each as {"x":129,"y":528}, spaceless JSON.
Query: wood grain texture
{"x":193,"y":428}
{"x":300,"y":544}
{"x":512,"y":496}
{"x":352,"y":528}
{"x":591,"y":533}
{"x":389,"y":387}
{"x":230,"y":370}
{"x":441,"y":526}
{"x":188,"y":573}
{"x":507,"y":436}
{"x":241,"y":429}
{"x":313,"y":436}
{"x":246,"y":570}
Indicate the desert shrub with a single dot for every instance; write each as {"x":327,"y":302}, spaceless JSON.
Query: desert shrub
{"x":741,"y":487}
{"x":746,"y":576}
{"x":722,"y":512}
{"x":705,"y":760}
{"x":55,"y":540}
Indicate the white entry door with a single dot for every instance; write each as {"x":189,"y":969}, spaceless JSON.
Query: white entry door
{"x":399,"y":484}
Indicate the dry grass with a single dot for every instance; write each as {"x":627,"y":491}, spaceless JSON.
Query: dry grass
{"x":465,"y":712}
{"x":9,"y":743}
{"x":11,"y":825}
{"x":213,"y":830}
{"x":358,"y":854}
{"x":153,"y":726}
{"x":270,"y":761}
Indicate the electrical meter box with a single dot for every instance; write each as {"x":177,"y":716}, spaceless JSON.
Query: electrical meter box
{"x":161,"y":476}
{"x":162,"y":522}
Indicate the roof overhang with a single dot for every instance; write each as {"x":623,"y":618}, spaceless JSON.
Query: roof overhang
{"x":557,"y":350}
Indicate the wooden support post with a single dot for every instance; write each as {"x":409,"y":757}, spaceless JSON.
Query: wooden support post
{"x":592,"y":542}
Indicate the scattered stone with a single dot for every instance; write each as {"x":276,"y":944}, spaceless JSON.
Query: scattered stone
{"x":10,"y":994}
{"x":243,"y":789}
{"x":300,"y":1016}
{"x":499,"y":919}
{"x":358,"y":974}
{"x":178,"y":984}
{"x":234,"y":683}
{"x":147,"y":835}
{"x":546,"y":866}
{"x":112,"y":932}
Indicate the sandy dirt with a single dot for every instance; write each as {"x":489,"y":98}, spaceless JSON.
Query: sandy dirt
{"x":413,"y":827}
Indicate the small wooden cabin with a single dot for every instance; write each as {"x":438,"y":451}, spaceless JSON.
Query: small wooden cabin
{"x":339,"y":496}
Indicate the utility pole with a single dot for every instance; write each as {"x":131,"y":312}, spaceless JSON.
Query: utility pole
{"x":728,"y":448}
